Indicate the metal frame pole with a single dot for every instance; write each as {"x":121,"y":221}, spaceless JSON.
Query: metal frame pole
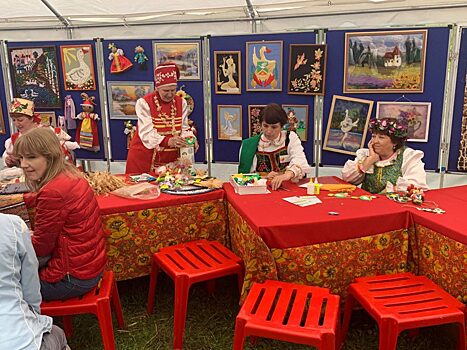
{"x":207,"y":103}
{"x":318,"y":115}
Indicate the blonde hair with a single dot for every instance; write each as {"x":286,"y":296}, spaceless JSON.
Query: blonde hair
{"x":43,"y":142}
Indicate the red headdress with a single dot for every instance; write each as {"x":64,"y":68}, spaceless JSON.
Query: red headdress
{"x":166,"y":73}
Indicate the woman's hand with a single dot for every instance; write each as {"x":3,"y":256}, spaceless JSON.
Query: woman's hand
{"x":272,"y":175}
{"x":277,"y":180}
{"x":372,"y":158}
{"x":177,"y":142}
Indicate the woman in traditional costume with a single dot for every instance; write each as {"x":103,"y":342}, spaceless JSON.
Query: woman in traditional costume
{"x":276,"y":152}
{"x":387,"y":165}
{"x":162,"y":116}
{"x":68,"y":235}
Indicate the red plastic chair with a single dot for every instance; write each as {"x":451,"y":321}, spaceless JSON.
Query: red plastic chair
{"x":97,"y":302}
{"x":403,"y":301}
{"x":289,"y":312}
{"x":187,"y":264}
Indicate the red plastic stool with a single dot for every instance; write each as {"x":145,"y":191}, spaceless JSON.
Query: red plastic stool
{"x":186,"y":264}
{"x":403,"y":301}
{"x":97,"y":302}
{"x":289,"y":312}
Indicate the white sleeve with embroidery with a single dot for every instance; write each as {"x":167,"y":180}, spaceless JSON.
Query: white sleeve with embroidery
{"x":413,"y":170}
{"x":350,"y":172}
{"x":147,"y":133}
{"x":8,"y":149}
{"x":298,"y":163}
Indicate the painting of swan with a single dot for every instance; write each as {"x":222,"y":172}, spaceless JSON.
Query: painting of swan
{"x":78,"y":67}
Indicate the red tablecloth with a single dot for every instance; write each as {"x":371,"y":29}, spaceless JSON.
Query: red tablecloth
{"x":284,"y":225}
{"x":453,"y":223}
{"x":112,"y":204}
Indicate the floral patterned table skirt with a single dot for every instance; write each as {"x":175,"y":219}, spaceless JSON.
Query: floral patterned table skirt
{"x":14,"y":204}
{"x":333,"y":265}
{"x":134,"y":236}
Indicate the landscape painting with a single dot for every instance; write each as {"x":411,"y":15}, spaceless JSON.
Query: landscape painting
{"x":416,"y":114}
{"x":35,"y":76}
{"x":386,"y":61}
{"x":122,"y":97}
{"x":297,"y":116}
{"x":229,"y":122}
{"x":186,"y":54}
{"x":347,"y":124}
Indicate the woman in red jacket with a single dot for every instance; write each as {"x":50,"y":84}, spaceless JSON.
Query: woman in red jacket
{"x":68,"y":226}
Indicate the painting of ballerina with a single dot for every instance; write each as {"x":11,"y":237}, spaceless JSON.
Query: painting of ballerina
{"x":307,"y":69}
{"x":264,"y":65}
{"x":186,"y":54}
{"x":416,"y":114}
{"x":78,"y":67}
{"x":227,"y":78}
{"x":386,"y":61}
{"x":34,"y":75}
{"x":229,"y":122}
{"x":347,"y":124}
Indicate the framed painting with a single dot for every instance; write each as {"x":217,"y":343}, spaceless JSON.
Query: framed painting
{"x":186,"y":54}
{"x":2,"y":121}
{"x":35,"y":76}
{"x":417,"y":115}
{"x":254,"y":126}
{"x":307,"y":69}
{"x":227,"y":79}
{"x":229,"y":122}
{"x":347,"y":124}
{"x":264,"y":66}
{"x":48,"y":118}
{"x":297,"y":116}
{"x":78,"y":67}
{"x":122,"y":97}
{"x":386,"y":61}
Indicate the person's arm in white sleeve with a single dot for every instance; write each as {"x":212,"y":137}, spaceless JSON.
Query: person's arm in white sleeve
{"x":298,"y":162}
{"x":352,"y":172}
{"x":413,"y":170}
{"x":8,"y":149}
{"x":147,"y":133}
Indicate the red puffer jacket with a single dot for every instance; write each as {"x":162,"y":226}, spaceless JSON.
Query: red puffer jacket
{"x":68,"y":228}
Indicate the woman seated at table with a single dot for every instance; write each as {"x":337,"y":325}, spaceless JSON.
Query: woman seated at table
{"x":22,"y":114}
{"x":274,"y":151}
{"x":387,"y":165}
{"x":67,"y":226}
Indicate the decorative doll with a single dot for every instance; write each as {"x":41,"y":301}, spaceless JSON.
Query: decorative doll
{"x":119,"y":62}
{"x":140,"y":57}
{"x":129,"y":131}
{"x":188,"y":152}
{"x":70,"y":113}
{"x":86,"y":134}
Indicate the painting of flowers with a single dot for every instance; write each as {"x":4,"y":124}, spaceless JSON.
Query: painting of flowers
{"x":78,"y":67}
{"x":264,"y":66}
{"x":386,"y":61}
{"x":416,"y":115}
{"x":35,"y":76}
{"x":347,"y":124}
{"x":254,"y":125}
{"x":297,"y":117}
{"x":307,"y":69}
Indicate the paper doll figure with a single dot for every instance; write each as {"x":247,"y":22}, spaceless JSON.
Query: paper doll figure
{"x":119,"y":62}
{"x":86,"y":134}
{"x":70,"y":113}
{"x":141,"y":58}
{"x":346,"y":125}
{"x":129,"y":131}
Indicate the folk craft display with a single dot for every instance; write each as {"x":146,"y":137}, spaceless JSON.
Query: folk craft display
{"x":386,"y":61}
{"x":119,"y":62}
{"x":462,"y":159}
{"x":297,"y":117}
{"x":254,"y":126}
{"x":227,"y":78}
{"x":47,"y":118}
{"x":129,"y":131}
{"x":35,"y":76}
{"x":264,"y":65}
{"x":70,"y":113}
{"x":140,"y":58}
{"x":307,"y":69}
{"x":189,"y":100}
{"x":347,"y":124}
{"x":87,"y":132}
{"x":122,"y":97}
{"x":78,"y":67}
{"x":229,"y":122}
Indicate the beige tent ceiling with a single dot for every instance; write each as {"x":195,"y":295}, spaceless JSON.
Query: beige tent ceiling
{"x":20,"y":14}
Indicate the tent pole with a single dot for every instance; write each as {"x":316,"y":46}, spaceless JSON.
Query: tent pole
{"x":66,"y":22}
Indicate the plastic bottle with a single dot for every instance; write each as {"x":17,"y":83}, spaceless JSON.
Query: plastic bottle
{"x":310,"y":187}
{"x":316,"y":185}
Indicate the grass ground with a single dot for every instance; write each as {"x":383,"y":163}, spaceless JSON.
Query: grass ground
{"x":211,"y":320}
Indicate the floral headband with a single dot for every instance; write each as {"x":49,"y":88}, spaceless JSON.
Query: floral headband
{"x":393,"y":127}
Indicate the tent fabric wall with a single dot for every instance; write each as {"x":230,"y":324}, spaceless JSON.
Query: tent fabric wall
{"x":227,"y":151}
{"x":435,"y":73}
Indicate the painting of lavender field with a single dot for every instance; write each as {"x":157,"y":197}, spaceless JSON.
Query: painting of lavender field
{"x":347,"y":124}
{"x":387,"y":61}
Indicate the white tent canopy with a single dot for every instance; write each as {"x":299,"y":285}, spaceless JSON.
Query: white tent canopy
{"x":28,"y":19}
